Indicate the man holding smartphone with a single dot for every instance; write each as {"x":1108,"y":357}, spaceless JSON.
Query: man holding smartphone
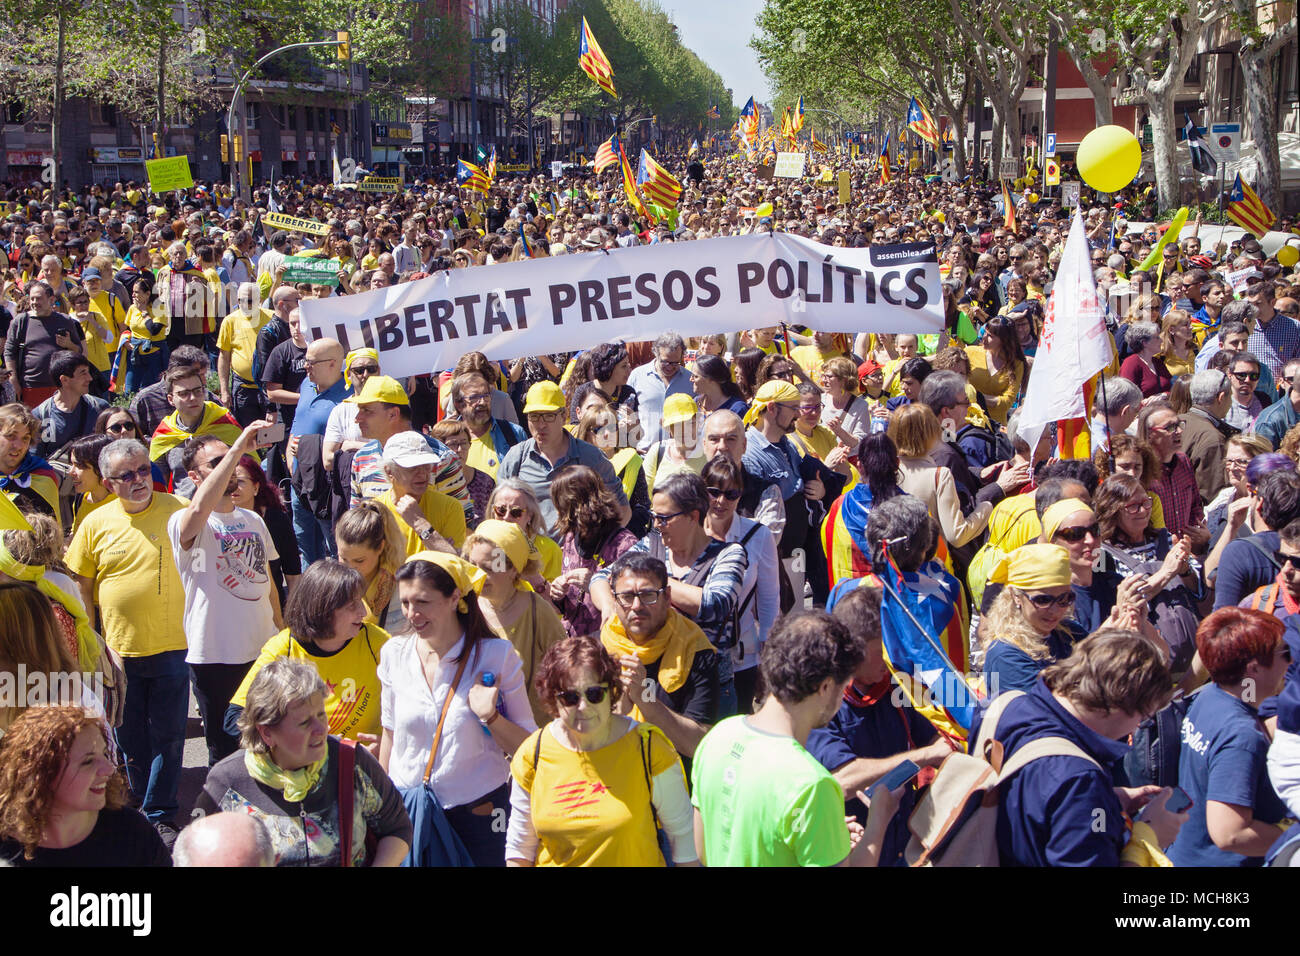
{"x":34,"y":338}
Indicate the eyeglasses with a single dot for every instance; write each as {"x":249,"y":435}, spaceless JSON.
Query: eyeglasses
{"x":144,"y":471}
{"x":1138,"y":507}
{"x":312,"y":363}
{"x":594,"y":695}
{"x":1237,"y":464}
{"x":508,"y":512}
{"x":1075,"y":535}
{"x":477,"y":397}
{"x":647,"y":598}
{"x":731,"y":494}
{"x":664,"y":519}
{"x":190,"y":392}
{"x":543,"y":418}
{"x":1245,"y":376}
{"x":1172,"y":428}
{"x":1045,"y":601}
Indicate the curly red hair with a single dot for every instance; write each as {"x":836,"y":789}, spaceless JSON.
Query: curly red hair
{"x":563,"y":661}
{"x":33,"y":755}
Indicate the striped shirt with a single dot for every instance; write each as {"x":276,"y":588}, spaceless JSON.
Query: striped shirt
{"x":369,"y":480}
{"x":1277,"y":343}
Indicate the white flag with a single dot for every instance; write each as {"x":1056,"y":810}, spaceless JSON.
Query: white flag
{"x":338,"y":173}
{"x":1074,"y":345}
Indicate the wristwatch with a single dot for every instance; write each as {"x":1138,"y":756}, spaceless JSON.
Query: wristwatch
{"x":427,"y":534}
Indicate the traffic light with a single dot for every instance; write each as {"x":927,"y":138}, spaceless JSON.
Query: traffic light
{"x":225,"y":148}
{"x":345,"y":45}
{"x":239,"y":148}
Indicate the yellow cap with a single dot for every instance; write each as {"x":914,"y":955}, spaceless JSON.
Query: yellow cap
{"x":381,"y":388}
{"x":544,"y":397}
{"x":679,"y":408}
{"x":1033,"y":566}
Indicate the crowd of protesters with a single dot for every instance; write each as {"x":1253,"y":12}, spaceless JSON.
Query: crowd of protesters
{"x":507,"y":590}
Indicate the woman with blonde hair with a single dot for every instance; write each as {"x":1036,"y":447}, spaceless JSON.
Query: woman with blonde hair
{"x":916,"y":432}
{"x":369,"y":540}
{"x":512,"y":609}
{"x":515,"y":501}
{"x":31,"y":644}
{"x":1177,"y":346}
{"x":844,"y":412}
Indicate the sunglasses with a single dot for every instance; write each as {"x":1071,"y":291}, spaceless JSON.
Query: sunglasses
{"x":505,"y":512}
{"x":1075,"y":535}
{"x":1245,"y":376}
{"x":594,"y":695}
{"x":731,"y":494}
{"x":365,"y":369}
{"x":145,"y":471}
{"x":1045,"y":601}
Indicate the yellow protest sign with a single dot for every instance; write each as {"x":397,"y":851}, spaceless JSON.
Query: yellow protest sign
{"x":168,"y":174}
{"x":844,"y":185}
{"x":311,"y":227}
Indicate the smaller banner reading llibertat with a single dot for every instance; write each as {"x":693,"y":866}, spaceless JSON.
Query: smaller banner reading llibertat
{"x":727,"y":284}
{"x":278,"y":220}
{"x":311,"y":269}
{"x":168,"y":174}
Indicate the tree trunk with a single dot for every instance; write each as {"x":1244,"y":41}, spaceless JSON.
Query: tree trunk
{"x":1160,"y":103}
{"x":162,"y":110}
{"x":56,"y":124}
{"x":1102,"y":109}
{"x":1257,"y":86}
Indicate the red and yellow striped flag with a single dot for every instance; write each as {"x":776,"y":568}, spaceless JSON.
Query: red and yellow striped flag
{"x":593,"y":61}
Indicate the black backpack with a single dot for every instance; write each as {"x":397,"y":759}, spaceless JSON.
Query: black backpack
{"x":999,"y":446}
{"x":1153,"y":756}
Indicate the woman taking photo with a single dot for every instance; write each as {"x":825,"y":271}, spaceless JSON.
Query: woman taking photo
{"x":509,"y":604}
{"x":1144,"y":367}
{"x":997,"y":368}
{"x":1027,"y":628}
{"x":254,"y":492}
{"x":291,"y":772}
{"x":631,"y":769}
{"x":714,"y":388}
{"x":326,"y":618}
{"x":760,"y":591}
{"x":147,"y":324}
{"x":515,"y":501}
{"x":602,"y":430}
{"x":445,"y":721}
{"x":591,"y":537}
{"x":63,"y":801}
{"x":369,"y":541}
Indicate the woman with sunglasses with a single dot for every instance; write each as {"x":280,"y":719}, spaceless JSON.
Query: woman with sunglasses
{"x":591,"y":537}
{"x":629,"y":770}
{"x":515,"y":501}
{"x":1029,"y":626}
{"x":760,"y":591}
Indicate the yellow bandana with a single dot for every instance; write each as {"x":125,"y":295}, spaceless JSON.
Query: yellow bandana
{"x":675,"y":647}
{"x":467,"y":577}
{"x":777,"y":390}
{"x":87,"y":642}
{"x":1034,"y":566}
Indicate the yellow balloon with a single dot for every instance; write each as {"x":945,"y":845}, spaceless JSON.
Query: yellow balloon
{"x":1033,"y":197}
{"x":1108,"y":158}
{"x":1288,"y":256}
{"x":940,"y":216}
{"x":1031,"y":175}
{"x":764,"y":209}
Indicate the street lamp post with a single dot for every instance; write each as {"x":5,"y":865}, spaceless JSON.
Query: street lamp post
{"x":235,"y":178}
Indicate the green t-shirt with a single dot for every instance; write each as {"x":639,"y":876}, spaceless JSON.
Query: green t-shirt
{"x":765,"y":801}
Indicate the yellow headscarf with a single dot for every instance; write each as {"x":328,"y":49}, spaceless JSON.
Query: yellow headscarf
{"x":360,"y":353}
{"x":1034,"y":566}
{"x":777,"y":390}
{"x":1061,"y":510}
{"x":87,"y":641}
{"x":467,"y":577}
{"x":674,"y":647}
{"x":513,"y":543}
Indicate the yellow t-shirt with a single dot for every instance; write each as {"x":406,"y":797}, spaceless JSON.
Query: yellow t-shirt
{"x":482,"y":455}
{"x":609,"y":823}
{"x":445,"y":513}
{"x":87,"y":506}
{"x":137,"y":588}
{"x":821,"y":443}
{"x":108,"y":310}
{"x":238,"y":336}
{"x":810,"y":358}
{"x":135,"y":322}
{"x":350,"y":675}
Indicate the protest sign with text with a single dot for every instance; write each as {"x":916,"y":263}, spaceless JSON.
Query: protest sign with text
{"x":279,"y":220}
{"x":545,"y":305}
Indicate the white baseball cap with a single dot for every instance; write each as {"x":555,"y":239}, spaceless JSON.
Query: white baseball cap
{"x":408,"y":450}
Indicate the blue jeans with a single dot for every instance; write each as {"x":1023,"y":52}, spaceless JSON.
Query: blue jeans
{"x":142,"y":370}
{"x":311,"y":533}
{"x":152,"y":735}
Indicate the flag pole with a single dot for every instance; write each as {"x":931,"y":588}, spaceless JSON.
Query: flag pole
{"x":1223,"y":226}
{"x":1105,"y":418}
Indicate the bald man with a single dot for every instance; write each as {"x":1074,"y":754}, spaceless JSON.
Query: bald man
{"x":224,"y":839}
{"x":724,"y":434}
{"x":321,"y":392}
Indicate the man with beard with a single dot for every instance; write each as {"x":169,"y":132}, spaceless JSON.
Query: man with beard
{"x":490,"y":438}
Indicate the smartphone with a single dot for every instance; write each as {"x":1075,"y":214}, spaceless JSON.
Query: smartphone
{"x":1178,"y":802}
{"x":904,"y":772}
{"x":270,"y":435}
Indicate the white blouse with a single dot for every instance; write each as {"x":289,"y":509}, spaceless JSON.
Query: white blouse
{"x":470,"y":764}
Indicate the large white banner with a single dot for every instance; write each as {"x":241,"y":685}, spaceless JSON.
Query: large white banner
{"x":566,"y":303}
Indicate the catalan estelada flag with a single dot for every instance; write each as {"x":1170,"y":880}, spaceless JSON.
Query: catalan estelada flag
{"x":1008,"y":209}
{"x":922,"y":123}
{"x":1248,"y":210}
{"x":629,"y":185}
{"x":607,"y":154}
{"x":713,"y":112}
{"x":884,"y":160}
{"x":527,"y":247}
{"x":844,"y":535}
{"x":817,"y":145}
{"x":695,"y":148}
{"x":492,"y":167}
{"x":593,"y":61}
{"x":660,"y":186}
{"x":749,"y":122}
{"x":798,"y":114}
{"x":472,"y":177}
